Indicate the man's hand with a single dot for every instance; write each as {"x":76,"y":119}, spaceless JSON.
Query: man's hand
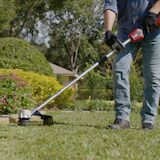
{"x":149,"y":22}
{"x":112,"y":42}
{"x":110,"y":39}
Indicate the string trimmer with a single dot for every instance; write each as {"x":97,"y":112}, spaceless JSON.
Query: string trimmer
{"x":25,"y":115}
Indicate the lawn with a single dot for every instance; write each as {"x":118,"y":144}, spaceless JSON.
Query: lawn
{"x":80,"y":136}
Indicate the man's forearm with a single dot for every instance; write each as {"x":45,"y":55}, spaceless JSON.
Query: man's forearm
{"x":109,"y":18}
{"x":156,"y":7}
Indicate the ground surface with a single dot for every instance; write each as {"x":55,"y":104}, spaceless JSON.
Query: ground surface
{"x":79,"y":136}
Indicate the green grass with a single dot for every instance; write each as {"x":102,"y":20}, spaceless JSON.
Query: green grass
{"x":80,"y":136}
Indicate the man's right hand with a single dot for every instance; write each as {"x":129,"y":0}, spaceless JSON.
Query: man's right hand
{"x":110,"y":39}
{"x":149,"y":22}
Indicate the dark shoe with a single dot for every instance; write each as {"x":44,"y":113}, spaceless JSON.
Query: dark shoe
{"x":119,"y":124}
{"x":147,"y":126}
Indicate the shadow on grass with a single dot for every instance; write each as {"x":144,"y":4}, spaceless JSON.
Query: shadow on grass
{"x":79,"y":125}
{"x":88,"y":125}
{"x":64,"y":124}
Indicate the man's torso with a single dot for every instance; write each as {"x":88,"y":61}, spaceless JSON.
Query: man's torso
{"x":131,"y":14}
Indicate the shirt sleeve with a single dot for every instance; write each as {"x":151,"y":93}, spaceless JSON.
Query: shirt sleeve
{"x":111,"y":5}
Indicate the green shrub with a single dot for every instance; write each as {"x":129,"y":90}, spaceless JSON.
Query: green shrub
{"x":43,"y":87}
{"x":16,"y":53}
{"x":92,"y":105}
{"x":95,"y":86}
{"x":14,"y":94}
{"x":136,"y":83}
{"x":100,"y":105}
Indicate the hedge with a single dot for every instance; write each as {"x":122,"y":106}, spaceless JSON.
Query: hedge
{"x":14,"y":94}
{"x":42,"y":87}
{"x":18,"y":54}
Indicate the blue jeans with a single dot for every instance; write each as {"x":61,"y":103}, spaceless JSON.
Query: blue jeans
{"x":151,"y":70}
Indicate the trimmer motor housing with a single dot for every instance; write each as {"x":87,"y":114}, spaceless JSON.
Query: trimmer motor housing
{"x":24,"y":117}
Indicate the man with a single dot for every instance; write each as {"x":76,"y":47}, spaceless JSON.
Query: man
{"x":134,"y":14}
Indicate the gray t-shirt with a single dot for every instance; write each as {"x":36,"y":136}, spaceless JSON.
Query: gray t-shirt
{"x":130,"y":14}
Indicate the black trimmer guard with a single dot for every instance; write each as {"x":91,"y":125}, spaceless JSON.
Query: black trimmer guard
{"x":47,"y":119}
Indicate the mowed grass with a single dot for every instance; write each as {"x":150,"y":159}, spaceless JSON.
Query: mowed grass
{"x":80,"y":136}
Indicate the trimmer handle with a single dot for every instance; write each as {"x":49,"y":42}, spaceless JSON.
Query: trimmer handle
{"x":136,"y":35}
{"x":158,"y":22}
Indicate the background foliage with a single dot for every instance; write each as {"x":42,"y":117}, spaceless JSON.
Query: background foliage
{"x":95,"y":86}
{"x":136,"y":85}
{"x":70,"y":34}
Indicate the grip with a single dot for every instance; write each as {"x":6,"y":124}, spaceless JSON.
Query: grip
{"x":158,"y":22}
{"x":136,"y":35}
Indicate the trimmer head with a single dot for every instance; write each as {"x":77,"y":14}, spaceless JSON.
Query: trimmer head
{"x":25,"y":116}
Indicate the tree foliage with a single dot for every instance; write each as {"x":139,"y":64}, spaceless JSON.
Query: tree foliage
{"x":29,"y":12}
{"x":7,"y":13}
{"x":74,"y":31}
{"x":19,"y":15}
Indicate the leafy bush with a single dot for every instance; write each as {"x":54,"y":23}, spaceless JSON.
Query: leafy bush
{"x":16,"y":53}
{"x":14,"y":94}
{"x":42,"y":87}
{"x":95,"y":86}
{"x":91,"y":105}
{"x":100,"y":105}
{"x":136,"y":84}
